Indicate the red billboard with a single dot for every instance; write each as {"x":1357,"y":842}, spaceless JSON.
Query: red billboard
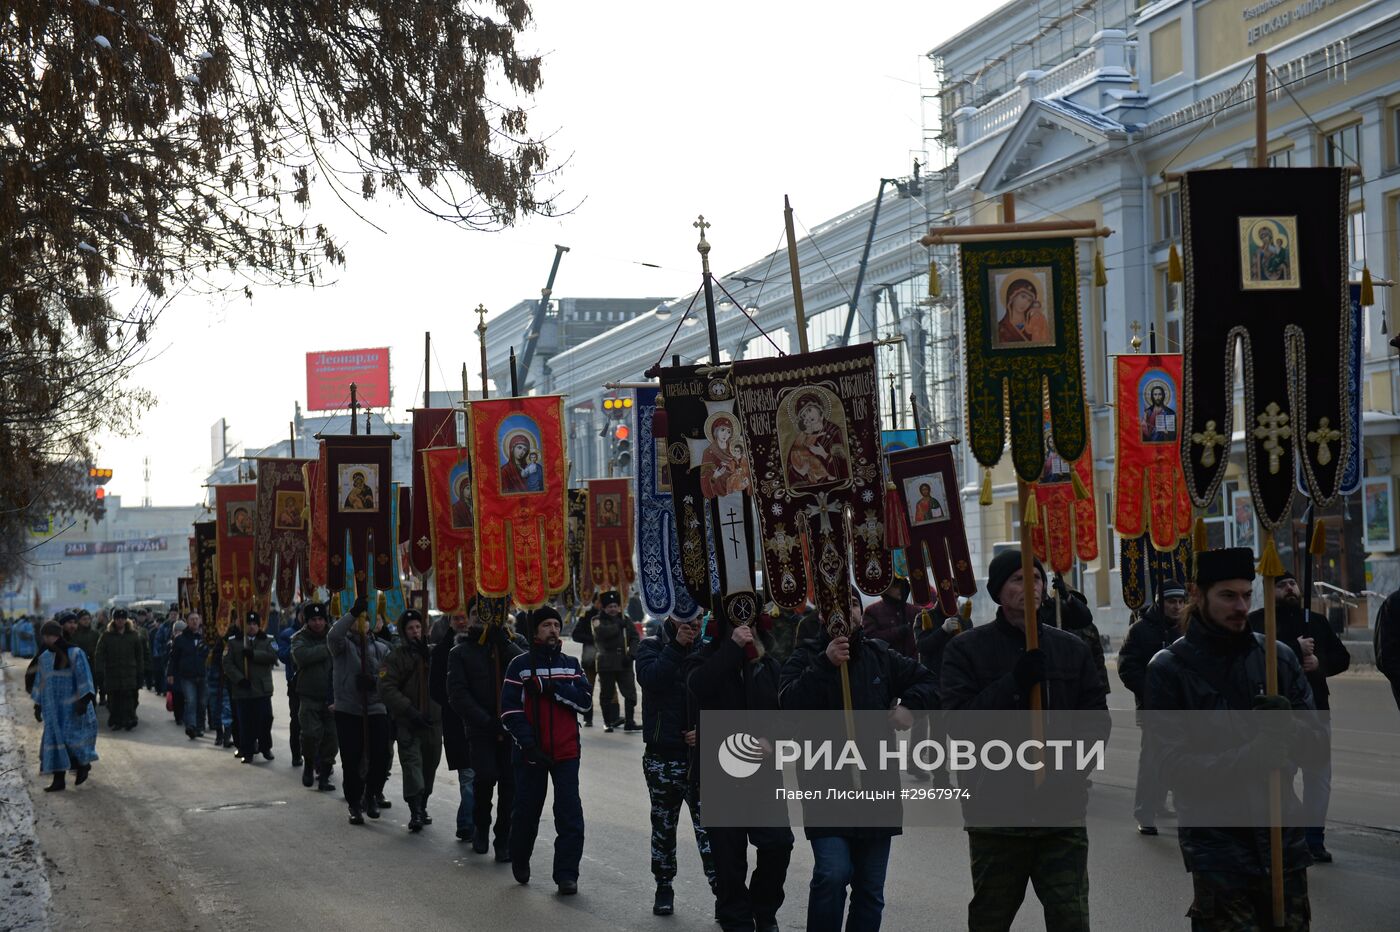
{"x":329,"y":374}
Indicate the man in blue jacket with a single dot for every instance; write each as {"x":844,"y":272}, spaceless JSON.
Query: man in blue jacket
{"x":669,"y":735}
{"x":184,"y":671}
{"x":543,"y":694}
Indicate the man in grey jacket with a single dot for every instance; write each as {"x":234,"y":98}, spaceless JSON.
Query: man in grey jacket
{"x":361,"y":721}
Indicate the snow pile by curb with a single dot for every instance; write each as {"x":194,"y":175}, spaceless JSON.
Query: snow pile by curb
{"x":24,"y":884}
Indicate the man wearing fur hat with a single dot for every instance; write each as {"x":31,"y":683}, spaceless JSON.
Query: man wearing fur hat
{"x":543,"y":694}
{"x":120,"y":664}
{"x":989,"y":668}
{"x":311,"y":653}
{"x":615,"y":641}
{"x":248,"y":660}
{"x":1219,"y":665}
{"x":403,"y":685}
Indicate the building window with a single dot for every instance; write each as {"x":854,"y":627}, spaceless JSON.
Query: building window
{"x":1356,"y":248}
{"x":1169,"y":294}
{"x":1282,"y":158}
{"x":1342,"y":146}
{"x":1169,"y":214}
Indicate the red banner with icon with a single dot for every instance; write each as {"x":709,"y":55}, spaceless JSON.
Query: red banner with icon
{"x":447,"y":495}
{"x":610,"y":523}
{"x":235,"y":511}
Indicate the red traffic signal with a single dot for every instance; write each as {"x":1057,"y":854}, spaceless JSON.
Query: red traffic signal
{"x":101,"y":493}
{"x":622,"y":432}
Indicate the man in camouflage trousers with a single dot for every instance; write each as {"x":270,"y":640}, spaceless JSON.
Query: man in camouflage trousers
{"x":312,"y":656}
{"x":666,"y":761}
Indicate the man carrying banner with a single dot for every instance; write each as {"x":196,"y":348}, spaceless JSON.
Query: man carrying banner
{"x":543,"y":694}
{"x":1157,"y":630}
{"x":989,"y":668}
{"x":1220,"y":664}
{"x":312,"y":656}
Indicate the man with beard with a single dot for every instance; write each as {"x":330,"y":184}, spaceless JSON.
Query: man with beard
{"x":666,"y":761}
{"x":734,"y":671}
{"x":989,"y":668}
{"x":543,"y":693}
{"x":476,"y":669}
{"x":614,"y":640}
{"x":1218,"y":665}
{"x":312,"y":655}
{"x":1155,"y":631}
{"x":120,"y":662}
{"x":248,"y":660}
{"x":454,"y":732}
{"x":403,"y":685}
{"x":1322,"y":654}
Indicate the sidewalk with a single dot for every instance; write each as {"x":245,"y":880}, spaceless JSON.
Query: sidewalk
{"x":24,"y":882}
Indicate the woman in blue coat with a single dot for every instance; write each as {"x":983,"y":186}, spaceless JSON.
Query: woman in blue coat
{"x":64,"y":695}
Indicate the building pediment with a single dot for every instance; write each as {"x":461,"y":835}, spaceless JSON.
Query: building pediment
{"x":1048,"y":137}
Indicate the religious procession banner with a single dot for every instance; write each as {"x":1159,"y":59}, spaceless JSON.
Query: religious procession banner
{"x":391,"y":599}
{"x":318,"y":522}
{"x":1266,"y":275}
{"x":1021,"y":308}
{"x":447,"y":474}
{"x":184,"y":594}
{"x":1067,"y":525}
{"x":1143,"y":568}
{"x":206,"y":570}
{"x":811,"y":423}
{"x":896,"y":523}
{"x":235,"y":508}
{"x":579,"y":586}
{"x":360,"y":500}
{"x":517,"y":449}
{"x":925,"y":481}
{"x":1149,"y":490}
{"x":711,"y":486}
{"x":1351,"y":478}
{"x":432,"y":428}
{"x":610,"y":522}
{"x":280,"y":544}
{"x":662,"y":585}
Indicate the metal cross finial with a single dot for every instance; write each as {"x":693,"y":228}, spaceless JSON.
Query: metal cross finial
{"x":1136,"y":341}
{"x":1324,"y":437}
{"x":481,"y":327}
{"x":704,"y":245}
{"x":1209,"y":438}
{"x":1273,"y":427}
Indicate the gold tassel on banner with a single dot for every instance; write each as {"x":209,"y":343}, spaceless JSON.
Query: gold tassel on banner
{"x":926,"y":620}
{"x":1368,"y":290}
{"x":1174,"y":273}
{"x":1032,"y":516}
{"x":335,"y":606}
{"x":985,"y":499}
{"x":1081,"y":494}
{"x":965,"y":610}
{"x":1200,"y":541}
{"x":381,"y":606}
{"x":1318,"y":545}
{"x":1100,"y":273}
{"x":1269,"y":562}
{"x":935,"y":287}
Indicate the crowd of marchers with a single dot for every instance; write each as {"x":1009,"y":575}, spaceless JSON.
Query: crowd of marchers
{"x":504,"y":703}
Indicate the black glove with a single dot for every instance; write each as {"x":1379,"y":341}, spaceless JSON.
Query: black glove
{"x":1029,"y":670}
{"x":360,"y":607}
{"x":244,"y":683}
{"x":38,"y":714}
{"x":1266,"y":753}
{"x":538,"y":686}
{"x":538,"y":758}
{"x":83,"y":703}
{"x":1275,"y":728}
{"x":364,"y":682}
{"x":1058,"y":584}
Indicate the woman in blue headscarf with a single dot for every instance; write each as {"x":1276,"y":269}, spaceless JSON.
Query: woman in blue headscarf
{"x":63,"y":694}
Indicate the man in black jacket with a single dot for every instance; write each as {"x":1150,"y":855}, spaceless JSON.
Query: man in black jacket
{"x":666,"y":761}
{"x":1322,"y":654}
{"x":476,"y":670}
{"x":990,"y":668}
{"x":733,"y":670}
{"x":614,"y":640}
{"x":454,"y":731}
{"x":1386,"y":641}
{"x":1219,"y":665}
{"x":881,"y":679}
{"x":1154,"y":631}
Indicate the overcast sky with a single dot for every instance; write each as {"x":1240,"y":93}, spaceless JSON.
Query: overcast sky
{"x":661,"y":111}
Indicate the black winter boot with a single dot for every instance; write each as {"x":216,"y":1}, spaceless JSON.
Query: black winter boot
{"x":307,"y":774}
{"x":383,"y":802}
{"x":323,"y":780}
{"x":371,"y":806}
{"x":665,"y":902}
{"x":60,"y":782}
{"x":356,"y":816}
{"x":415,"y":818}
{"x":83,"y":771}
{"x":423,"y":808}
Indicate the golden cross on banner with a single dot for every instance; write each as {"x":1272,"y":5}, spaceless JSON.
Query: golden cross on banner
{"x":481,"y":327}
{"x":1273,"y":427}
{"x":1324,"y":437}
{"x":1210,"y":439}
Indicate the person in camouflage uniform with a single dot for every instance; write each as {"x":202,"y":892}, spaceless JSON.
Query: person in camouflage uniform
{"x":312,"y":656}
{"x":1220,"y":664}
{"x":403,"y":687}
{"x":987,"y":668}
{"x":669,"y":736}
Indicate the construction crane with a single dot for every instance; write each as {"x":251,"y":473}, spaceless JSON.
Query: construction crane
{"x":532,"y":336}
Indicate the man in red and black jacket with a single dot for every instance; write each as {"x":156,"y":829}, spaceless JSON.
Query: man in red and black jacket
{"x":543,"y":694}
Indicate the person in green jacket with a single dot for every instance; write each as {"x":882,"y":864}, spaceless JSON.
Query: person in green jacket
{"x":120,"y":656}
{"x":312,"y":657}
{"x":403,"y":687}
{"x":248,"y":660}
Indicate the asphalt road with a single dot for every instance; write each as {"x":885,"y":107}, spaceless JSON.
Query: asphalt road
{"x":171,"y":834}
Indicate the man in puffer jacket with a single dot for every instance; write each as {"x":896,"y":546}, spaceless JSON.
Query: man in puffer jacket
{"x":120,"y":667}
{"x":669,"y":734}
{"x":614,"y":639}
{"x":311,"y":653}
{"x":544,"y":693}
{"x":403,"y":686}
{"x":248,"y":660}
{"x":361,"y":721}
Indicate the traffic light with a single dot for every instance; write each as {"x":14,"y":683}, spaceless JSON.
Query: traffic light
{"x":622,"y":455}
{"x":100,"y":476}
